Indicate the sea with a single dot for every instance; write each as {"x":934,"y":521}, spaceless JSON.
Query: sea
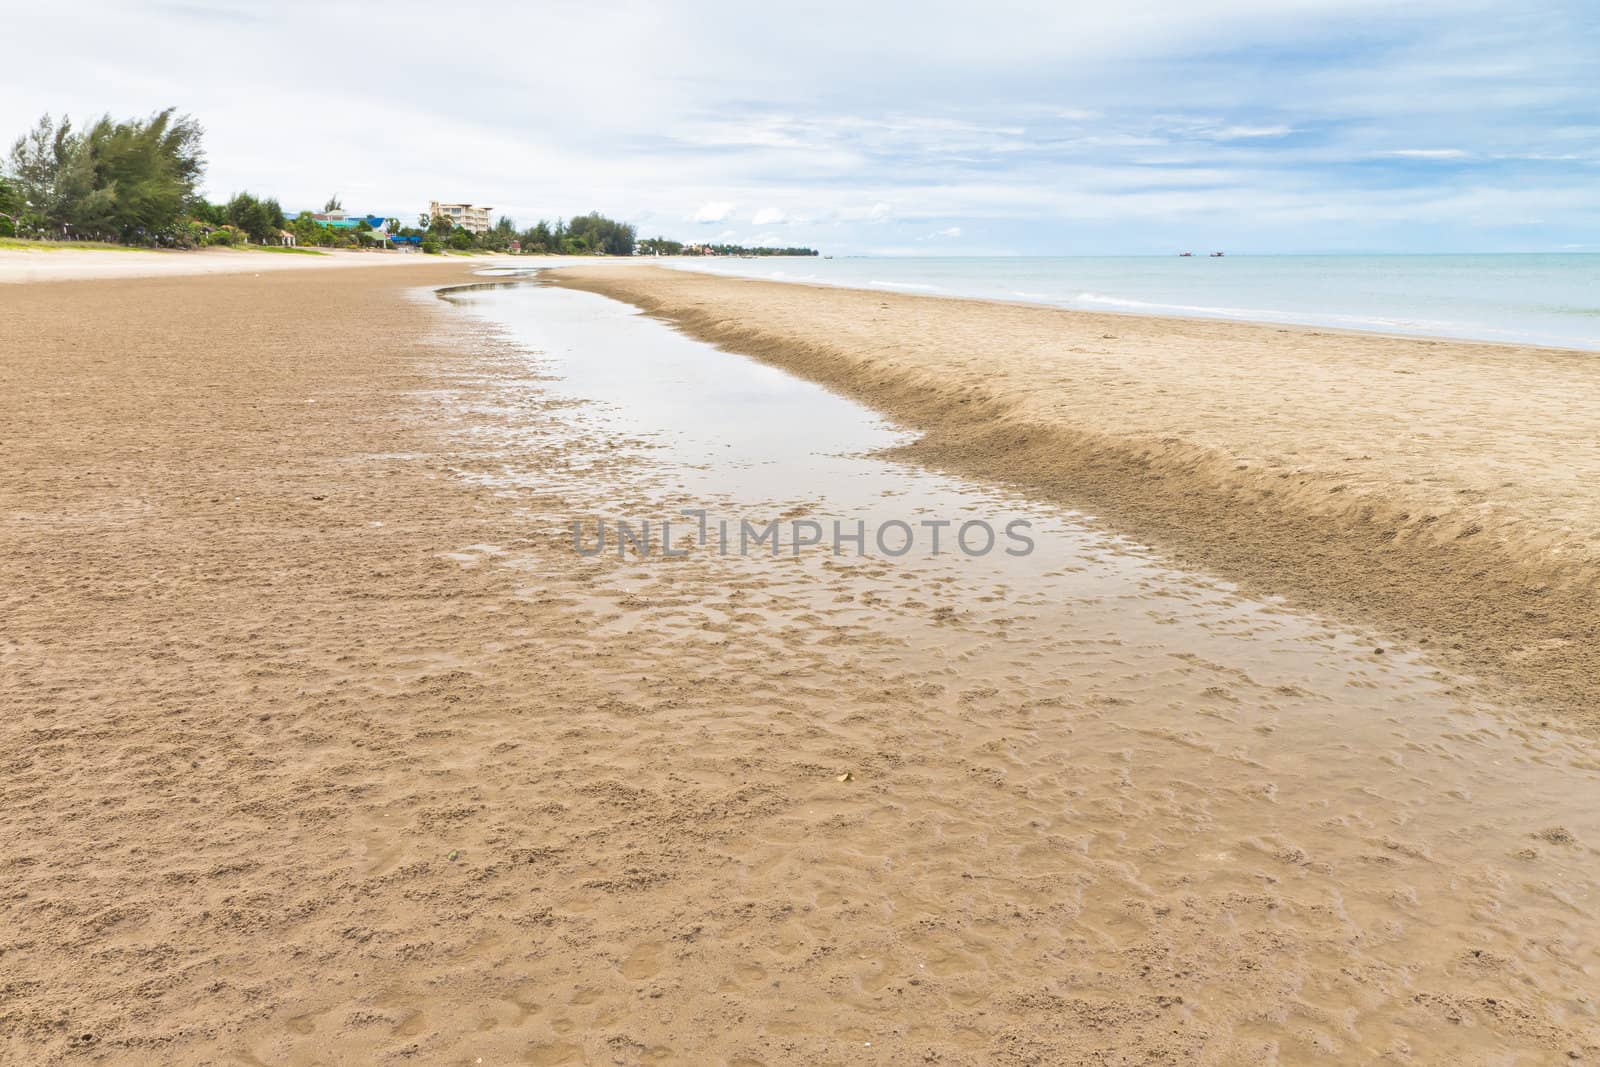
{"x":1542,"y":299}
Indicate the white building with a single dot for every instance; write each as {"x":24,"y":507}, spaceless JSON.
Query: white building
{"x":467,"y":216}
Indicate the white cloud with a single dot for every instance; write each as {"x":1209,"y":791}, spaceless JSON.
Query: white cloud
{"x":715,"y":211}
{"x":1427,"y":153}
{"x":1105,"y":128}
{"x":953,"y":231}
{"x":1242,"y":133}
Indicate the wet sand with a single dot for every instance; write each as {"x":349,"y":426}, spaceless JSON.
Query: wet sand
{"x":1441,"y":490}
{"x":320,"y":743}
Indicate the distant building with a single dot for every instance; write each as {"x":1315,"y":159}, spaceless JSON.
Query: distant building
{"x":467,"y":216}
{"x":338,"y":220}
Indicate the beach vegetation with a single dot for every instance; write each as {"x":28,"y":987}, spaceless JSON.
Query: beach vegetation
{"x":262,"y":220}
{"x":287,"y":250}
{"x":743,"y":250}
{"x":130,"y":182}
{"x":591,"y":234}
{"x":661,"y":246}
{"x":36,"y":245}
{"x":135,"y":182}
{"x":10,"y":207}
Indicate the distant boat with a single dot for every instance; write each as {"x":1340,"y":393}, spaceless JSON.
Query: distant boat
{"x":1185,"y":254}
{"x":1216,"y":255}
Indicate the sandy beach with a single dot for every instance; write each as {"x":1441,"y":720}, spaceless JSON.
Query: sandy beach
{"x":320,"y":744}
{"x":55,"y":264}
{"x":1441,"y":490}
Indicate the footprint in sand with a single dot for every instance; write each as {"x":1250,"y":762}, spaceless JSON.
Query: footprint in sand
{"x":549,"y":1055}
{"x":643,"y":962}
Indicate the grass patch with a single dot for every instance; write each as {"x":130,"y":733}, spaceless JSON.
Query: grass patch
{"x":27,"y":244}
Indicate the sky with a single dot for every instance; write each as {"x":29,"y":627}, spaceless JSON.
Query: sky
{"x":932,"y":128}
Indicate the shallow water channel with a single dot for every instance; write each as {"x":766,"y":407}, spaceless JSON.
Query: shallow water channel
{"x":1217,"y":744}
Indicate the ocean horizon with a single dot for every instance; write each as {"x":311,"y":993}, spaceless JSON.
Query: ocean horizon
{"x":1550,"y":299}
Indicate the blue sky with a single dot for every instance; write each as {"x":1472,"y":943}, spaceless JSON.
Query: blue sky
{"x":932,"y":128}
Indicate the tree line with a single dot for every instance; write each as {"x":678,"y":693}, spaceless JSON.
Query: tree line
{"x":136,"y":182}
{"x":582,"y":235}
{"x":131,"y":182}
{"x":660,"y":246}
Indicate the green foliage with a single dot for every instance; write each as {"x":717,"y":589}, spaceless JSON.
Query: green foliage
{"x":260,"y":219}
{"x":209,"y":214}
{"x":129,"y":181}
{"x":33,"y":244}
{"x":596,"y":233}
{"x":591,"y":234}
{"x":134,"y":182}
{"x":333,"y":204}
{"x":540,"y":238}
{"x":304,"y":228}
{"x":741,"y":250}
{"x":10,"y":207}
{"x":660,"y":246}
{"x":498,"y":237}
{"x":47,"y":168}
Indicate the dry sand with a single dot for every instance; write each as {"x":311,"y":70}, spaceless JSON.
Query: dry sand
{"x":318,"y":745}
{"x":30,"y":265}
{"x":1445,"y":491}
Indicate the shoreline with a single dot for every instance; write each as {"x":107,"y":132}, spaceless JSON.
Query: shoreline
{"x":1154,"y":306}
{"x":1407,"y":487}
{"x":1198,"y":320}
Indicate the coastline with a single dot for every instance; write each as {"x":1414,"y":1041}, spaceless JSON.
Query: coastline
{"x":1401,"y":482}
{"x":1533,"y":299}
{"x":1286,"y":325}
